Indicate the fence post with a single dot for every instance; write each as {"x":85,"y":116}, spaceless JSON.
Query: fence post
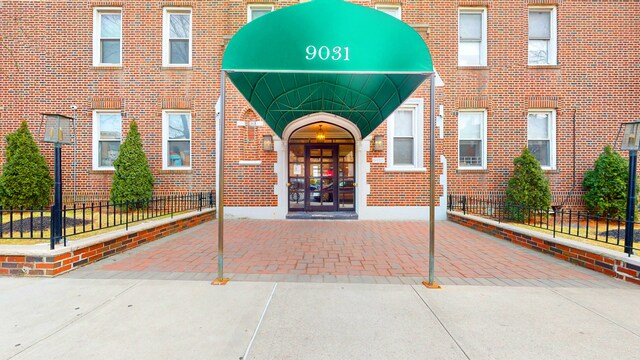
{"x":555,"y":214}
{"x":464,"y":204}
{"x":127,"y":216}
{"x":64,"y":224}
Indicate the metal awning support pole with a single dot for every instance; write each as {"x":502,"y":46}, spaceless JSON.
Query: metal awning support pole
{"x":432,"y":179}
{"x":221,"y":280}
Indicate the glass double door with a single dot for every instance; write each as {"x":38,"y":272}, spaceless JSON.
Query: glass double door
{"x":322,"y":179}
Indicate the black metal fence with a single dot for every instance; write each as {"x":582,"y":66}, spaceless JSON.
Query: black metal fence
{"x":603,"y":229}
{"x":82,"y":218}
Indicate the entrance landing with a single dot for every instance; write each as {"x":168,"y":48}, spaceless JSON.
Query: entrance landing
{"x":343,"y":251}
{"x":319,"y":215}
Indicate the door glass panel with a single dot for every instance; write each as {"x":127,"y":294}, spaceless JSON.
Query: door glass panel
{"x":296,"y":170}
{"x":296,"y":176}
{"x":346,"y":192}
{"x":327,"y":153}
{"x":327,"y":169}
{"x":327,"y":191}
{"x":314,"y":170}
{"x":296,"y":193}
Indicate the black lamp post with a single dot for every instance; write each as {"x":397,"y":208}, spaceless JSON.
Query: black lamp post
{"x":630,"y":142}
{"x":57,"y":130}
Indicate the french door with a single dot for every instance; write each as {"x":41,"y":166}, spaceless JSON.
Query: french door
{"x":321,"y":177}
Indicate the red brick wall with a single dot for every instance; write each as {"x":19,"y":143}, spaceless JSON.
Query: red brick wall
{"x":46,"y":62}
{"x":18,"y":265}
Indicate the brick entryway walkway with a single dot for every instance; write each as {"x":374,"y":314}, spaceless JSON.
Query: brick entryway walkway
{"x":351,"y":251}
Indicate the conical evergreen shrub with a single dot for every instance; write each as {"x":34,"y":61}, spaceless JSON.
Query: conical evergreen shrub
{"x":132,"y":179}
{"x":606,"y":184}
{"x":528,"y":188}
{"x":25,"y":181}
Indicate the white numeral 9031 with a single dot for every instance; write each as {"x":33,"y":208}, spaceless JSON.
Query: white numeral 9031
{"x":325,"y":53}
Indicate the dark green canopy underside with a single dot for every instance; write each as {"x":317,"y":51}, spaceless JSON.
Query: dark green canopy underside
{"x":326,"y":56}
{"x":364,"y":99}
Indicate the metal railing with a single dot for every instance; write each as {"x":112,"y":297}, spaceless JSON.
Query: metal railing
{"x":582,"y":224}
{"x":80,"y":218}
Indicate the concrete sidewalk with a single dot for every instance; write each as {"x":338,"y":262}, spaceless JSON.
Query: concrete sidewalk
{"x":67,"y":318}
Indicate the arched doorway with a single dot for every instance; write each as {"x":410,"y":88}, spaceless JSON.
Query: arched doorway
{"x":321,"y":169}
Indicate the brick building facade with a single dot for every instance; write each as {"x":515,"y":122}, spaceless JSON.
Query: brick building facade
{"x":515,"y":73}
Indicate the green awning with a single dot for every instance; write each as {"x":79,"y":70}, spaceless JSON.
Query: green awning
{"x":326,"y":56}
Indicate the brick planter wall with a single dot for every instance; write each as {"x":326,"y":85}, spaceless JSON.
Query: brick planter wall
{"x":609,"y":262}
{"x":41,"y":262}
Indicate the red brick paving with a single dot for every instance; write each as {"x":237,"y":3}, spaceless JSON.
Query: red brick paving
{"x":365,"y":248}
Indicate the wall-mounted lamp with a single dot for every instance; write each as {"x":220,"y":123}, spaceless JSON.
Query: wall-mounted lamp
{"x":267,"y":143}
{"x":377,"y":143}
{"x":320,"y":135}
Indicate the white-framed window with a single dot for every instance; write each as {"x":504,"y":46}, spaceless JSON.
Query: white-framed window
{"x":404,"y":134}
{"x":393,"y":10}
{"x":472,"y":139}
{"x":107,"y":36}
{"x":472,"y":37}
{"x":254,"y":11}
{"x":176,"y":37}
{"x":542,"y":36}
{"x":541,"y":136}
{"x":176,"y":139}
{"x":107,"y":136}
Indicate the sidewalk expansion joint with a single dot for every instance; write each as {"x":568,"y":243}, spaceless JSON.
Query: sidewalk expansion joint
{"x":440,"y":321}
{"x":255,"y":332}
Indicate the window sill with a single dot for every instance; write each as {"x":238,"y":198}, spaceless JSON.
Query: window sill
{"x":473,"y":67}
{"x":542,"y":67}
{"x":107,"y":67}
{"x":472,"y":170}
{"x":177,"y":68}
{"x":550,"y":170}
{"x":103,"y":170}
{"x":406,"y":170}
{"x":176,"y":170}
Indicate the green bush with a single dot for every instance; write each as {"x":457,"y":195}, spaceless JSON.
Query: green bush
{"x":528,"y":187}
{"x":606,"y":184}
{"x":132,"y":180}
{"x":25,"y":181}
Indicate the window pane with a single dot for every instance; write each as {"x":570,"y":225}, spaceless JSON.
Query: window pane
{"x":538,"y":127}
{"x":470,"y":26}
{"x":179,"y":126}
{"x":108,"y":152}
{"x":471,"y":125}
{"x":256,"y":13}
{"x":393,"y":11}
{"x":403,"y":151}
{"x":179,"y":51}
{"x":403,"y":124}
{"x":110,"y":26}
{"x":179,"y":25}
{"x":538,"y":51}
{"x":110,"y":126}
{"x":179,"y":153}
{"x":110,"y":51}
{"x":470,"y":153}
{"x":541,"y":150}
{"x":539,"y":24}
{"x":469,"y":53}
